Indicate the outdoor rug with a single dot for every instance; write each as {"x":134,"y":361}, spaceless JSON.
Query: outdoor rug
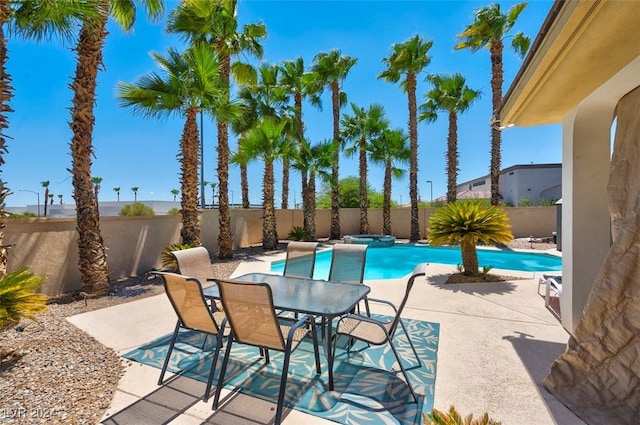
{"x":366,"y":391}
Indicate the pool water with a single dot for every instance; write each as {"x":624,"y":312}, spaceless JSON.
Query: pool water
{"x":399,"y":260}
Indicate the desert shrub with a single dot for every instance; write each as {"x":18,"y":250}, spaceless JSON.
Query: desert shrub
{"x":452,"y":417}
{"x":136,"y":209}
{"x":18,"y":297}
{"x":25,"y":214}
{"x":173,"y":211}
{"x":298,"y":233}
{"x":168,"y":260}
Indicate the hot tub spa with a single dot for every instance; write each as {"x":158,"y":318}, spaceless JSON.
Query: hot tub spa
{"x":374,"y":241}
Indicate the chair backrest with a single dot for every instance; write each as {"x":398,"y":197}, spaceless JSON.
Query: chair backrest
{"x":250,"y":312}
{"x":187,"y":299}
{"x":194,"y":262}
{"x":347,"y":263}
{"x":419,"y":270}
{"x":301,"y":259}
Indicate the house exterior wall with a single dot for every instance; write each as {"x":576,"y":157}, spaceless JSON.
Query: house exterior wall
{"x":134,"y":244}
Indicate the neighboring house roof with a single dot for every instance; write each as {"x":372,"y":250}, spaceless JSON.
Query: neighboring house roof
{"x":577,"y":50}
{"x":512,"y":168}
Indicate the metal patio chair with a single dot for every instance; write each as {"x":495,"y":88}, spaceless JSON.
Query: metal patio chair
{"x":347,"y":265}
{"x":187,"y":300}
{"x":378,"y":332}
{"x":301,"y":259}
{"x":253,"y":321}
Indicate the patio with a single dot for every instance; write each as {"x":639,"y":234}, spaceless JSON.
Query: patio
{"x":497,"y":343}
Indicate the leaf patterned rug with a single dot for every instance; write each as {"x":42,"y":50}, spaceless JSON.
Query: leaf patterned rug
{"x":369,"y":387}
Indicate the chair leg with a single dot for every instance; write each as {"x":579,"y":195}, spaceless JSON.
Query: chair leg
{"x":404,"y":372}
{"x":314,"y":335}
{"x":411,"y":343}
{"x":166,"y":360}
{"x":213,"y":367}
{"x":283,"y":383}
{"x":227,"y":354}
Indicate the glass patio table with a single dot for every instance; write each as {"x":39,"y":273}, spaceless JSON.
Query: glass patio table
{"x":308,"y":296}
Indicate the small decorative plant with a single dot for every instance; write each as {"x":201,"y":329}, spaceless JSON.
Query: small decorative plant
{"x":465,"y":223}
{"x":136,"y":209}
{"x":18,"y":297}
{"x":452,"y":417}
{"x":168,"y":260}
{"x":298,"y":233}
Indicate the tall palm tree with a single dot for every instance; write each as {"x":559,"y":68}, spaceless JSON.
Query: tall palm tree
{"x":451,"y":95}
{"x":361,"y":128}
{"x":330,"y":69}
{"x":409,"y":59}
{"x":489,"y":28}
{"x":392,"y":151}
{"x":45,"y":185}
{"x":213,"y":192}
{"x":269,"y":142}
{"x":240,"y":159}
{"x":94,"y":270}
{"x":298,"y":83}
{"x":60,"y":198}
{"x":135,"y":189}
{"x":37,"y":19}
{"x":214,"y":21}
{"x":117,"y":191}
{"x":316,"y":160}
{"x":96,"y":185}
{"x":189,"y":83}
{"x":175,"y":193}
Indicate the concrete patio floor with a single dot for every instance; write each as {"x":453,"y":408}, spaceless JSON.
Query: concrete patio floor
{"x":497,"y":343}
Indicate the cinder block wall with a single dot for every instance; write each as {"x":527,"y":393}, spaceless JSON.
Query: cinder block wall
{"x":134,"y":244}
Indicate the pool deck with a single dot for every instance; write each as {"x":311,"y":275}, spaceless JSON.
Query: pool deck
{"x":497,"y":343}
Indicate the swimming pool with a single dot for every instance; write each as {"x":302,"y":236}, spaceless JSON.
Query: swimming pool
{"x":399,"y":260}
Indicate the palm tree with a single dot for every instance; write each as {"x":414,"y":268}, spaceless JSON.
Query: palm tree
{"x":466,"y":223}
{"x":135,"y":193}
{"x":489,"y":29}
{"x":314,"y":161}
{"x":96,"y":185}
{"x":45,"y":184}
{"x":175,"y":192}
{"x":240,"y":159}
{"x":330,"y":70}
{"x":189,"y":83}
{"x":51,"y":196}
{"x":92,"y":255}
{"x":60,"y":198}
{"x":117,"y":191}
{"x":213,"y":192}
{"x":269,"y":142}
{"x":361,"y":129}
{"x":390,"y":150}
{"x":215,"y":22}
{"x":298,"y":83}
{"x":408,"y":59}
{"x":451,"y":95}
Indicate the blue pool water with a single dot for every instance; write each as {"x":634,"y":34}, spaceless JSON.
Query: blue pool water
{"x":399,"y":260}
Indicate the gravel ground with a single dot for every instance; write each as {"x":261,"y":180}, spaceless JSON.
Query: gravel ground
{"x":51,"y":372}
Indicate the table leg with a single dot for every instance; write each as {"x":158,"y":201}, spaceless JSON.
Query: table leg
{"x":328,"y":349}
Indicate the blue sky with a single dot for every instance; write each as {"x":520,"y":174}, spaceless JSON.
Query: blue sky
{"x":134,"y":151}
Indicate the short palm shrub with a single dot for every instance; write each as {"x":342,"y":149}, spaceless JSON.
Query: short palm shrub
{"x":465,"y":223}
{"x":452,"y":417}
{"x":168,"y":260}
{"x":136,"y":209}
{"x":18,"y":297}
{"x":298,"y":233}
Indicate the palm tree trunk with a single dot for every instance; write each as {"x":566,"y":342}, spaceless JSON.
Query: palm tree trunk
{"x":496,"y":99}
{"x":335,"y":232}
{"x":6,"y":93}
{"x":94,"y":272}
{"x":303,"y":174}
{"x":310,"y":212}
{"x":285,"y":183}
{"x":269,"y":233}
{"x":189,"y":151}
{"x":364,"y":201}
{"x":225,"y":239}
{"x":452,"y":158}
{"x":386,"y":201}
{"x":413,"y":165}
{"x":469,"y":258}
{"x":244,"y":185}
{"x":46,"y":198}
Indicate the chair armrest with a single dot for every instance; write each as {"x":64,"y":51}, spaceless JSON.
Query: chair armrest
{"x":377,"y":300}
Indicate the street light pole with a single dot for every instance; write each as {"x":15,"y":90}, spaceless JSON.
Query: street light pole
{"x":37,"y":194}
{"x":431,"y":186}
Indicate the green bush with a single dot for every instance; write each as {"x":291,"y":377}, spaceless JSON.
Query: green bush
{"x":25,"y":214}
{"x":173,"y":211}
{"x":136,"y":209}
{"x":18,"y":297}
{"x":298,"y":233}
